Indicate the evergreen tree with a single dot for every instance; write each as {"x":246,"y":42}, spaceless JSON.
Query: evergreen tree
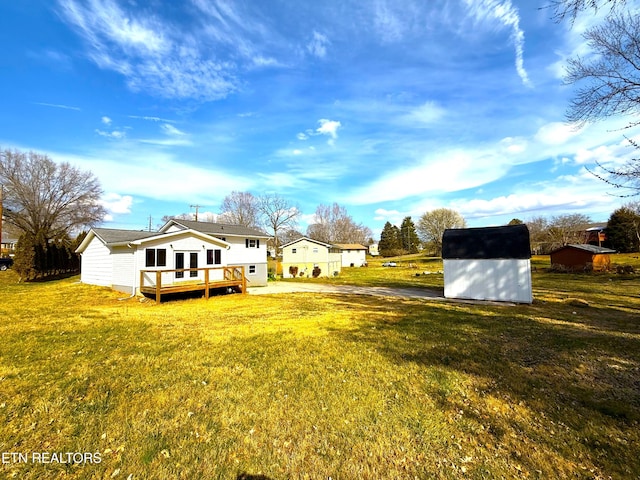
{"x":408,"y":236}
{"x":389,"y":244}
{"x":623,"y":230}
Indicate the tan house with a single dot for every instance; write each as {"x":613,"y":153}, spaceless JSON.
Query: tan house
{"x":353,"y":254}
{"x":305,"y":257}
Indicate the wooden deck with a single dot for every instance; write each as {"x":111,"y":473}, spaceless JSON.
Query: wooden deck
{"x":232,"y":276}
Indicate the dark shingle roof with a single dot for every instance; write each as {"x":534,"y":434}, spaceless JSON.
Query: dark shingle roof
{"x":112,"y":236}
{"x":221,"y":229}
{"x":510,"y":242}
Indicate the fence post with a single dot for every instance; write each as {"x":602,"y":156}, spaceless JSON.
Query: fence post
{"x":206,"y":284}
{"x":244,"y":281}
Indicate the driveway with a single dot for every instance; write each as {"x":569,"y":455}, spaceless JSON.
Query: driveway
{"x":303,"y":287}
{"x":298,"y":287}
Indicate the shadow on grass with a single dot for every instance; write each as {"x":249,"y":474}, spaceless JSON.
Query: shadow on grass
{"x":578,"y":370}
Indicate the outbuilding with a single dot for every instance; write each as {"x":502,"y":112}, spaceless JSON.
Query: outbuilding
{"x":490,"y":263}
{"x":581,"y":257}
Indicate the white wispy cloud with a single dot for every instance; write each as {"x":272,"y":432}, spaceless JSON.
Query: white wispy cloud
{"x":57,"y":105}
{"x":149,"y":52}
{"x":502,"y":13}
{"x":318,"y":45}
{"x":115,"y":203}
{"x":169,"y":129}
{"x":106,"y":120}
{"x":115,"y":134}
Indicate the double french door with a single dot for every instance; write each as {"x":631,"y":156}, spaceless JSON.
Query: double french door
{"x":186,"y":260}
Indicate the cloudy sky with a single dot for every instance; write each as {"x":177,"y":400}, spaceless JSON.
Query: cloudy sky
{"x":388,"y":107}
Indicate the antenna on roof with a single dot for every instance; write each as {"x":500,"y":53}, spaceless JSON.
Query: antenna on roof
{"x":196,"y":207}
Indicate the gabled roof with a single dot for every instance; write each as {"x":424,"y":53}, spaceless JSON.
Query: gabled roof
{"x":308,"y":240}
{"x":594,"y":249}
{"x":218,"y":229}
{"x":111,"y":236}
{"x":350,"y":246}
{"x":114,"y":238}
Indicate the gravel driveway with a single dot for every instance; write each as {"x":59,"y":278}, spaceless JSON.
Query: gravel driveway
{"x":297,"y":287}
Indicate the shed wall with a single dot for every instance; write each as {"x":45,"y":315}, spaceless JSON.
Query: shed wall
{"x":507,"y":280}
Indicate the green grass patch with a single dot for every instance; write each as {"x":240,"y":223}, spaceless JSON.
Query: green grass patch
{"x":317,"y":386}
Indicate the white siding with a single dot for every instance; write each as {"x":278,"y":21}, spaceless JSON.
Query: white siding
{"x":124,"y":269}
{"x":506,"y":280}
{"x":96,"y":265}
{"x":356,"y":257}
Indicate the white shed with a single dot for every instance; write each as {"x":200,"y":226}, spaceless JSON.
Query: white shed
{"x":491,"y":263}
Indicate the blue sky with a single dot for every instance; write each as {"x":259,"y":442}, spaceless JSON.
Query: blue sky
{"x":389,"y":108}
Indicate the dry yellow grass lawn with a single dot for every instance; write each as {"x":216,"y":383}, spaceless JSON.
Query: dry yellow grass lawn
{"x":318,"y":386}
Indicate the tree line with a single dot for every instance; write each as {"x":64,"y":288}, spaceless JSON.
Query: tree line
{"x":622,"y":232}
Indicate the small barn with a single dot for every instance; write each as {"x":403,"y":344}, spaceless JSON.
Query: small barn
{"x":491,"y":263}
{"x":581,"y":257}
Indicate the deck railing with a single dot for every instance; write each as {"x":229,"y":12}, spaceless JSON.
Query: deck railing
{"x":164,"y":281}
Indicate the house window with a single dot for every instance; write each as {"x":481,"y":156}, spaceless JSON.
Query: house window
{"x":294,"y":250}
{"x":156,"y":257}
{"x":214,"y":257}
{"x":315,"y":249}
{"x":252,"y":269}
{"x":252,"y":243}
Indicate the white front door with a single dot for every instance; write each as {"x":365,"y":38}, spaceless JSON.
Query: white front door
{"x":187,"y":260}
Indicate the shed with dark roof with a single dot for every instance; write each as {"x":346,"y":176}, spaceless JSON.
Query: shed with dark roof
{"x":581,"y":257}
{"x":490,"y":263}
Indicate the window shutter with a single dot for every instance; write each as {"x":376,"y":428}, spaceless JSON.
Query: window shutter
{"x":246,"y":243}
{"x":258,"y":243}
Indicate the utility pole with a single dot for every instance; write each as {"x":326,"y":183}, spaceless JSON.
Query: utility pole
{"x":196,"y":207}
{"x":150,"y":222}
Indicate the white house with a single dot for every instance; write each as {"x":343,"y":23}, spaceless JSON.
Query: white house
{"x":307,"y":257}
{"x":353,"y":254}
{"x":491,"y":263}
{"x":115,"y":258}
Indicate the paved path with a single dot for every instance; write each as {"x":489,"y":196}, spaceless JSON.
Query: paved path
{"x":297,"y":287}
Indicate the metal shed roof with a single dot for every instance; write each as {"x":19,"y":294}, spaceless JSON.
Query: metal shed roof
{"x":594,"y":249}
{"x":510,"y":241}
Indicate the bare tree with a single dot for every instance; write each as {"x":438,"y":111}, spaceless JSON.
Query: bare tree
{"x":569,"y":9}
{"x":538,"y":234}
{"x":278,"y":214}
{"x":608,"y":79}
{"x":431,"y":225}
{"x":47,"y":200}
{"x":334,"y":225}
{"x":569,"y":228}
{"x":240,"y":208}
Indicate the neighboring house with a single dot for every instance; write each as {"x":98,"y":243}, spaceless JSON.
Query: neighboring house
{"x":353,"y":254}
{"x":373,"y":250}
{"x":8,"y":246}
{"x":304,"y":255}
{"x":115,"y":258}
{"x":581,"y":257}
{"x":596,"y":234}
{"x":492,"y":263}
